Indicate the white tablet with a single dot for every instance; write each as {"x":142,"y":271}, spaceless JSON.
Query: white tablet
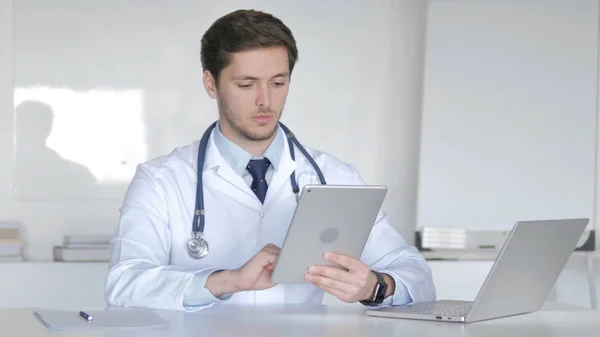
{"x":328,"y":218}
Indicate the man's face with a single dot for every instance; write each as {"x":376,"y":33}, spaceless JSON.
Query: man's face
{"x":251,"y":93}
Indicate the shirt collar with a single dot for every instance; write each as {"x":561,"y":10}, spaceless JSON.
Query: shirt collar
{"x":238,"y":158}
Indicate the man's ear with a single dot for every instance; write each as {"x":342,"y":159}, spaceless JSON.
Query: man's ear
{"x":209,"y":84}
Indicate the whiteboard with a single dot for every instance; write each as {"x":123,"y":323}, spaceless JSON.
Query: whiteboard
{"x":101,"y":86}
{"x":509,"y":119}
{"x":123,"y":80}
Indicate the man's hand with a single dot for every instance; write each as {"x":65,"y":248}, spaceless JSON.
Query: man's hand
{"x":356,"y":284}
{"x":253,"y":275}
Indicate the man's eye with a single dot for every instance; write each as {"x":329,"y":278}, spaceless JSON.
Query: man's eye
{"x":244,"y":86}
{"x":279,"y":84}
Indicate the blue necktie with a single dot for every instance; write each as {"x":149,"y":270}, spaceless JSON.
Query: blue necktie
{"x":258,"y":170}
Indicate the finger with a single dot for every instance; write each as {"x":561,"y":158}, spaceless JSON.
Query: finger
{"x":339,"y":275}
{"x":269,"y":251}
{"x":273,"y":249}
{"x":340,"y":295}
{"x":346,"y":261}
{"x":265,"y":279}
{"x":266,"y":257}
{"x":334,"y":284}
{"x":272,"y":246}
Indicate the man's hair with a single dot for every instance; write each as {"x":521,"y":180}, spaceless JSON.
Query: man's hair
{"x":244,"y":30}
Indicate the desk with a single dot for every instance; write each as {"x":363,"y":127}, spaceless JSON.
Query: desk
{"x":342,"y":321}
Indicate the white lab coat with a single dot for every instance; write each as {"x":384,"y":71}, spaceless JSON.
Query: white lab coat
{"x":150,"y":266}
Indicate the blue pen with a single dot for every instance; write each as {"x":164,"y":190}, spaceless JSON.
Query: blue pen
{"x":85,"y":316}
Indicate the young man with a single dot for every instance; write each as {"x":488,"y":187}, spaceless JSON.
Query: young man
{"x":248,"y":58}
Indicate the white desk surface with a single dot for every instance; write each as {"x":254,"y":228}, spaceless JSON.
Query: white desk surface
{"x":342,"y":321}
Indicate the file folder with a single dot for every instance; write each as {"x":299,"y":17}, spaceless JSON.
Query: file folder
{"x":112,"y":318}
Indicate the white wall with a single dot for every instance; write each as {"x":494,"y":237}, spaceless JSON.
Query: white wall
{"x":127,"y":91}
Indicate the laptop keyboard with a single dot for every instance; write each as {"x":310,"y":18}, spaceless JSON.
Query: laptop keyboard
{"x":458,"y":310}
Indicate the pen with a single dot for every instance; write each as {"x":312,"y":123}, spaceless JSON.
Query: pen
{"x":85,"y":316}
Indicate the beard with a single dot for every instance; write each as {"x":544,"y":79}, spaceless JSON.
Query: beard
{"x":237,"y":125}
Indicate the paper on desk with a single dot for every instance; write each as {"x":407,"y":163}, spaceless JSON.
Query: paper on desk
{"x":114,"y":318}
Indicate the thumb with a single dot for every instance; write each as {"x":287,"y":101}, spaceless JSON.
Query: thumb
{"x":267,"y":258}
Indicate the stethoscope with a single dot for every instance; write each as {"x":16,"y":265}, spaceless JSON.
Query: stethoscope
{"x":197,"y":246}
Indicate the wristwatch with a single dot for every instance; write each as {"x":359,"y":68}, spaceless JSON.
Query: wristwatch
{"x":379,"y":293}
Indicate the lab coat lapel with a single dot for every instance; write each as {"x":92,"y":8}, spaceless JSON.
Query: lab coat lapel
{"x":225,"y":179}
{"x":281,"y":177}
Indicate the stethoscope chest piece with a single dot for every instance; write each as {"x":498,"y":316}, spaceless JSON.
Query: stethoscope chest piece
{"x":197,"y":246}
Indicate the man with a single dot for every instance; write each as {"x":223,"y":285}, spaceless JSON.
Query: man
{"x":248,"y":58}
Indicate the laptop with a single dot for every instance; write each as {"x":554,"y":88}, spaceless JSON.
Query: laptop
{"x":523,"y":274}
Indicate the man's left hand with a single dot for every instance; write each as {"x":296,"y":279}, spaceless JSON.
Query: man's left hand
{"x":356,"y":284}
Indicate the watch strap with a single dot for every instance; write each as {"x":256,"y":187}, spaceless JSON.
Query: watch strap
{"x":379,"y":291}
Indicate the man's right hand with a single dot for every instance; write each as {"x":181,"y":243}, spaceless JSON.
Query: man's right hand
{"x":255,"y":274}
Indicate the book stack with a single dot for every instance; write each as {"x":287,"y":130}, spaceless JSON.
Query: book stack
{"x":83,"y":249}
{"x":11,"y":244}
{"x":460,"y":243}
{"x":431,"y":238}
